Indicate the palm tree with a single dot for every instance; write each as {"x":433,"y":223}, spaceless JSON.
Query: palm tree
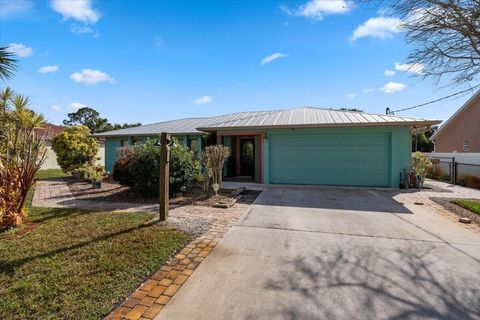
{"x":7,"y":63}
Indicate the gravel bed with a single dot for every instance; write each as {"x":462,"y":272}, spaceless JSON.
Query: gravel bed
{"x":194,"y":226}
{"x":459,"y":211}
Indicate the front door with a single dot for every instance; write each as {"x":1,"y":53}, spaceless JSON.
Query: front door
{"x":247,"y":157}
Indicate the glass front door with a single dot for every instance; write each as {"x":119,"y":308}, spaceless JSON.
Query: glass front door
{"x":247,"y":157}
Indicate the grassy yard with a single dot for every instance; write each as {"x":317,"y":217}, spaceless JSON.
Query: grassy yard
{"x":473,"y":206}
{"x":77,"y":264}
{"x":51,"y":173}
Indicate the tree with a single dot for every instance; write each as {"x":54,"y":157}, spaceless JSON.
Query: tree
{"x":88,"y":117}
{"x":445,"y":35}
{"x":7,"y":63}
{"x":216,"y":156}
{"x":91,"y":118}
{"x":22,"y":152}
{"x":421,"y":140}
{"x":75,"y":147}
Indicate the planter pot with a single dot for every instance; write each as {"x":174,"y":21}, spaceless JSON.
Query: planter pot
{"x":96,"y":184}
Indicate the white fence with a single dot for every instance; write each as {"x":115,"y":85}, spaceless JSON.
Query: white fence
{"x":456,"y":165}
{"x":51,"y":161}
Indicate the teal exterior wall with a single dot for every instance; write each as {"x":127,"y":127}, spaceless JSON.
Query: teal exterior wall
{"x":399,"y":144}
{"x":112,"y":143}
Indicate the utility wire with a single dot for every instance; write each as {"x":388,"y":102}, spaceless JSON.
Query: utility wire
{"x":433,"y":101}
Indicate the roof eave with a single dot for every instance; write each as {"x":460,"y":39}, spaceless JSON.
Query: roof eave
{"x":413,"y":124}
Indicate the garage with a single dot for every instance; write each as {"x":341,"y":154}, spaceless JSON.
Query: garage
{"x":350,"y":159}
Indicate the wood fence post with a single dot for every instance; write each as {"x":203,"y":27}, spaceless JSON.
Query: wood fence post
{"x":164,"y":174}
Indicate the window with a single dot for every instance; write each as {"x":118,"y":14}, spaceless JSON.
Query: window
{"x":124,"y":143}
{"x":137,"y":142}
{"x":466,"y":145}
{"x":193,"y":145}
{"x":180,"y":141}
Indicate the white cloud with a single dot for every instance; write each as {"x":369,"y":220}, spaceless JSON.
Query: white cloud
{"x":202,"y":100}
{"x":379,"y":27}
{"x":350,"y":96}
{"x":391,"y":87}
{"x":79,"y":10}
{"x":56,"y":108}
{"x":48,"y":69}
{"x":416,"y":68}
{"x":89,"y":76}
{"x":10,"y":8}
{"x":389,"y":72}
{"x":367,"y":90}
{"x":20,"y":50}
{"x":272,"y":57}
{"x":84,"y":30}
{"x":317,"y":9}
{"x":76,"y":105}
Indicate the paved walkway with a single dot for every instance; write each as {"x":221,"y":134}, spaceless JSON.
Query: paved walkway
{"x":55,"y":193}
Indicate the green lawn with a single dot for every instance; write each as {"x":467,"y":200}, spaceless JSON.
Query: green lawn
{"x":51,"y":173}
{"x":77,"y":264}
{"x":473,"y":206}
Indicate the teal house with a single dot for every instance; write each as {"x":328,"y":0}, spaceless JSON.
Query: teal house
{"x":296,"y":146}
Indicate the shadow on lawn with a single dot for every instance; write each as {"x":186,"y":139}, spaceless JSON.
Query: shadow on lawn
{"x":371,"y":284}
{"x":10,"y":266}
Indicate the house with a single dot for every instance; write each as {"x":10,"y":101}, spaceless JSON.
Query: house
{"x":52,"y":131}
{"x":296,"y":146}
{"x":461,"y":133}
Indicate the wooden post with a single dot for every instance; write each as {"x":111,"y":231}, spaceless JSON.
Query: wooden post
{"x":164,"y":174}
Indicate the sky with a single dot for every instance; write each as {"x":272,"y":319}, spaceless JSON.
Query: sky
{"x":150,"y":61}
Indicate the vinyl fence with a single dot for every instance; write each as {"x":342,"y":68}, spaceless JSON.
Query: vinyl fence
{"x":457,"y":168}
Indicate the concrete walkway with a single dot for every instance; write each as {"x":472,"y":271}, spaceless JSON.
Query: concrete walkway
{"x":338,"y":253}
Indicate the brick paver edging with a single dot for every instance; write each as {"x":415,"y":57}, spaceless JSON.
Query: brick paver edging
{"x":150,"y":298}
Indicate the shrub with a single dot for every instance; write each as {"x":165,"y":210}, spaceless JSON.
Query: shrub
{"x":145,"y":169}
{"x":89,"y":172}
{"x":422,"y":164}
{"x":75,"y":147}
{"x":121,"y":169}
{"x":468,"y":180}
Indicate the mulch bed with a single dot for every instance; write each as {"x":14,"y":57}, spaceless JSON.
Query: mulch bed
{"x":112,"y":191}
{"x":459,"y":211}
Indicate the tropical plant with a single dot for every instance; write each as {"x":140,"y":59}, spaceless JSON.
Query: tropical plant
{"x":121,"y":168}
{"x":422,"y":165}
{"x":145,"y":169}
{"x":205,"y":176}
{"x":22,"y":152}
{"x":7,"y":63}
{"x":75,"y":147}
{"x":216,"y":158}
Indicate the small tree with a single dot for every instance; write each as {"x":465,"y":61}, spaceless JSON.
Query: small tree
{"x":216,"y":158}
{"x":22,"y":152}
{"x":74,"y":147}
{"x":422,"y":165}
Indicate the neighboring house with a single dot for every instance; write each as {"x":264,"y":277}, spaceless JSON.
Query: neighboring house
{"x":51,"y":160}
{"x":296,"y":146}
{"x":461,"y":133}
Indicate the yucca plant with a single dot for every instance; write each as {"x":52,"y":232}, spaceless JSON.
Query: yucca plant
{"x":216,"y":158}
{"x":22,"y":152}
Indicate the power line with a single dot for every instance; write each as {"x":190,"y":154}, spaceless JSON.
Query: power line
{"x":433,"y":101}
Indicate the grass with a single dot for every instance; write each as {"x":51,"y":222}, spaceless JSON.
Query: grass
{"x":51,"y":173}
{"x":78,"y":263}
{"x":471,"y":205}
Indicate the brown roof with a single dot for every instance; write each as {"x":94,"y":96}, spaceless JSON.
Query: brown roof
{"x":52,"y":130}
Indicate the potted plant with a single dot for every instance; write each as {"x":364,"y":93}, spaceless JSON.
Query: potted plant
{"x":95,"y":175}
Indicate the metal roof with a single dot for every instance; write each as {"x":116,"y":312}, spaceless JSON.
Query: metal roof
{"x":299,"y":117}
{"x":181,"y":126}
{"x":317,"y":117}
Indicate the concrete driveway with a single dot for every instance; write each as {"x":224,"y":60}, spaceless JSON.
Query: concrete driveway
{"x":333,"y":253}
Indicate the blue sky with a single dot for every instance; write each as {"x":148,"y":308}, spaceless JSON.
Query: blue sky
{"x":149,"y":61}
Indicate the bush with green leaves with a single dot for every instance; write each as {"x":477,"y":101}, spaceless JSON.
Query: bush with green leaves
{"x":75,"y":147}
{"x":121,"y":168}
{"x":145,"y":169}
{"x":422,"y":165}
